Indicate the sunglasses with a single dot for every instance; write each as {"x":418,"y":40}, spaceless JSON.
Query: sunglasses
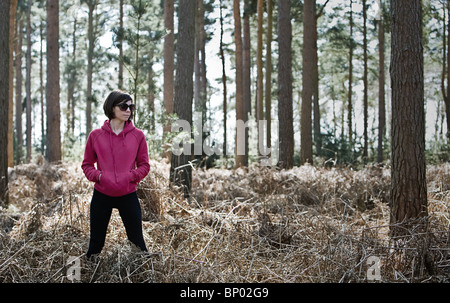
{"x":123,"y":106}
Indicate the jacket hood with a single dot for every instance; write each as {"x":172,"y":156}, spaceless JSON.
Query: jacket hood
{"x":126,"y":129}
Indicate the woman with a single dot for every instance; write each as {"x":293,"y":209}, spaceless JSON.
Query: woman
{"x":121,"y":154}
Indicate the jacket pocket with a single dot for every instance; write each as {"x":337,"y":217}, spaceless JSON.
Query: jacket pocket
{"x":124,"y":181}
{"x":116,"y":184}
{"x":133,"y":177}
{"x":104,"y":179}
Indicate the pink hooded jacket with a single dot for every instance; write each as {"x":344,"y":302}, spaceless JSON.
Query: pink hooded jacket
{"x":121,"y":159}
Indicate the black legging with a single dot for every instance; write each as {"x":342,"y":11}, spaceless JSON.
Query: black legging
{"x":101,"y":209}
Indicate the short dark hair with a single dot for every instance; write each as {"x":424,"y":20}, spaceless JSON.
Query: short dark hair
{"x":115,"y":97}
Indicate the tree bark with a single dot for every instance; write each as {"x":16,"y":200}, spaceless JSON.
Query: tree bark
{"x":4,"y":100}
{"x":151,"y":90}
{"x":309,"y":19}
{"x":139,"y":11}
{"x":72,"y":80}
{"x":200,"y":87}
{"x":408,"y":174}
{"x":90,"y":65}
{"x":181,"y":170}
{"x":268,"y":87}
{"x":53,"y":86}
{"x":316,"y":106}
{"x":447,"y":99}
{"x":259,"y":72}
{"x":28,"y":83}
{"x":246,"y":74}
{"x":365,"y":97}
{"x":121,"y":44}
{"x":19,"y":80}
{"x":285,"y":115}
{"x":239,"y":155}
{"x":168,"y":89}
{"x":350,"y":81}
{"x":12,"y":22}
{"x":41,"y":89}
{"x":197,"y":47}
{"x":224,"y":83}
{"x":381,"y":92}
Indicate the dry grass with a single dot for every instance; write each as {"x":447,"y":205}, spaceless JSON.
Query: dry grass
{"x":306,"y":224}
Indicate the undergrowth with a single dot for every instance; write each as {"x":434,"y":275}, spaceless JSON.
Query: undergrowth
{"x":258,"y":224}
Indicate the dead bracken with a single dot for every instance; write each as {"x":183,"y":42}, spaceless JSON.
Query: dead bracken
{"x":259,"y":224}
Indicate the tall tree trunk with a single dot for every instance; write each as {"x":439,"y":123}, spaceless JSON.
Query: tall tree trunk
{"x":180,"y":169}
{"x":4,"y":100}
{"x":203,"y":77}
{"x":309,"y":19}
{"x":12,"y":22}
{"x":408,"y":173}
{"x":447,"y":99}
{"x":268,"y":92}
{"x":259,"y":73}
{"x":200,"y":72}
{"x":151,"y":90}
{"x":41,"y":87}
{"x":90,"y":64}
{"x":121,"y":32}
{"x":246,"y":68}
{"x":53,"y":87}
{"x":381,"y":91}
{"x":197,"y":47}
{"x":350,"y":81}
{"x":71,"y":84}
{"x":315,"y":76}
{"x":316,"y":105}
{"x":28,"y":82}
{"x":19,"y":80}
{"x":224,"y":83}
{"x":365,"y":104}
{"x":139,"y":13}
{"x":168,"y":89}
{"x":285,"y":115}
{"x":342,"y":117}
{"x":445,"y":7}
{"x":240,"y":148}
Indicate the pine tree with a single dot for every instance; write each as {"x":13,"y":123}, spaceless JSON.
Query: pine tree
{"x":285,"y":115}
{"x":53,"y":86}
{"x":4,"y":101}
{"x":309,"y":19}
{"x":181,"y":169}
{"x":408,"y":174}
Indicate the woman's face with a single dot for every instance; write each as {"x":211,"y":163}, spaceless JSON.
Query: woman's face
{"x":122,"y":112}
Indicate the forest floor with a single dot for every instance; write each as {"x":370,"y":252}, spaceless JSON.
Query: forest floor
{"x":306,"y":224}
